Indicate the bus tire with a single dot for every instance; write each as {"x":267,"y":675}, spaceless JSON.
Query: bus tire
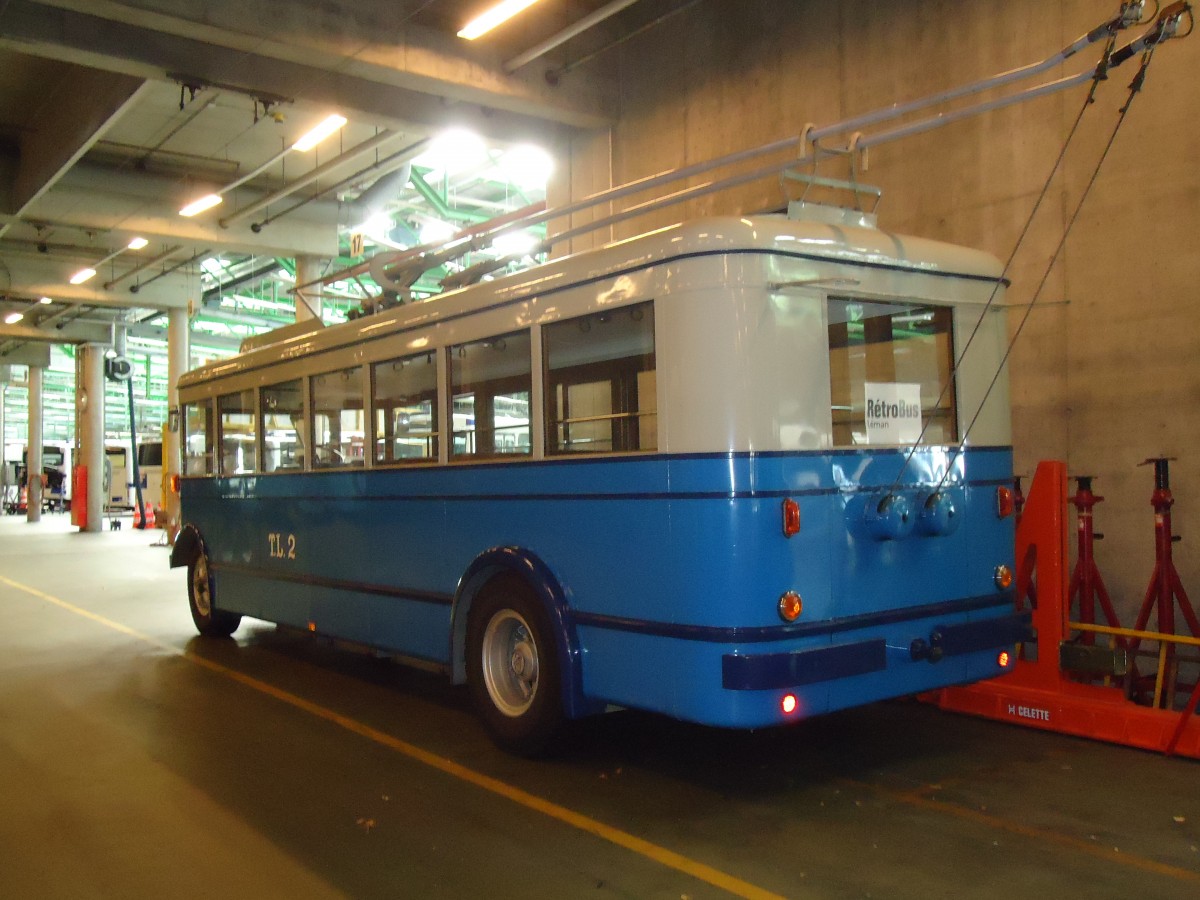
{"x":210,"y":621}
{"x":513,"y":669}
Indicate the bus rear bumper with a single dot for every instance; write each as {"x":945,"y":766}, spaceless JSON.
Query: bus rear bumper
{"x":798,"y":668}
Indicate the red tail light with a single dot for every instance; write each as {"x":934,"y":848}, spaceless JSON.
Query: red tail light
{"x":791,"y":517}
{"x":1004,"y":502}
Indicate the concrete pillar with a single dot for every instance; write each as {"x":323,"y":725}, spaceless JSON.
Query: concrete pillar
{"x":33,"y":476}
{"x":89,"y":427}
{"x":308,"y":301}
{"x":178,"y":362}
{"x":3,"y":459}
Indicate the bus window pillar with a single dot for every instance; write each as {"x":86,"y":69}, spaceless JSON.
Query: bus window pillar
{"x":308,"y":300}
{"x":178,"y":362}
{"x":89,"y":426}
{"x":33,"y":471}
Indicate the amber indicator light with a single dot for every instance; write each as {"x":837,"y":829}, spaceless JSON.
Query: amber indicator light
{"x":791,"y":517}
{"x":790,"y":606}
{"x":1004,"y":502}
{"x":1003,"y":577}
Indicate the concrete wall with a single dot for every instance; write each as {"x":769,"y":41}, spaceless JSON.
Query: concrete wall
{"x":1106,"y":372}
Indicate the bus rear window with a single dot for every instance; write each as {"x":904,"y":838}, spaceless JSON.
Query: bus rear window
{"x":601,"y":382}
{"x":889,"y":373}
{"x":491,"y":382}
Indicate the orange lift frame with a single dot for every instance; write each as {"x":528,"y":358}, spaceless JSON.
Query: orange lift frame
{"x":1039,"y":693}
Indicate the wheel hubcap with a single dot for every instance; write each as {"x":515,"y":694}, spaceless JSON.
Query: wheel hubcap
{"x":200,"y":592}
{"x":510,"y":663}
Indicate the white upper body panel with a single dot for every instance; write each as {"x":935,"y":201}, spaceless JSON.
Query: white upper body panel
{"x":740,"y":320}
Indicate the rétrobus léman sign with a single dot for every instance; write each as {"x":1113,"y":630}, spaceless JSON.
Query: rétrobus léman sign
{"x":893,"y":412}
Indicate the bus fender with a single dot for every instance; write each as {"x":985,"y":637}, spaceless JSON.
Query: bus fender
{"x":535,"y":573}
{"x":187,"y":547}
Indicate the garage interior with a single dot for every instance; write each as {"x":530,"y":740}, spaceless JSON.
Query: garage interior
{"x":144,"y":761}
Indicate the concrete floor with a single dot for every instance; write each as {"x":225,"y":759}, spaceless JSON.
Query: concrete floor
{"x":137,"y":760}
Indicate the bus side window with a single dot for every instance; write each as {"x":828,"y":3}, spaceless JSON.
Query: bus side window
{"x":491,"y":384}
{"x":338,"y":420}
{"x":601,"y":382}
{"x":404,"y":397}
{"x":282,"y":408}
{"x":237,"y":433}
{"x":198,"y":438}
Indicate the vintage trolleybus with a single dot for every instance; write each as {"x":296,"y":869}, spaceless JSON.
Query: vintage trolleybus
{"x":713,"y":471}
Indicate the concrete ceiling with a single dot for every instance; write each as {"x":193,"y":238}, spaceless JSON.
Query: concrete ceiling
{"x":115,"y":113}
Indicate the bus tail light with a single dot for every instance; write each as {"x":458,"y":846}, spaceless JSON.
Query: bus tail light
{"x":175,"y":483}
{"x":788,"y":704}
{"x":790,"y":606}
{"x":1004,"y":502}
{"x":791,"y":517}
{"x":1002,"y":659}
{"x":1003,"y":577}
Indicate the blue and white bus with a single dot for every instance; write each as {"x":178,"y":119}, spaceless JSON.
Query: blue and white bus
{"x":713,"y":471}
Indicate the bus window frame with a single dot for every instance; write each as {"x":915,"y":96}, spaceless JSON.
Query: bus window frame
{"x":529,"y":380}
{"x":364,"y":396}
{"x":628,"y":372}
{"x":436,"y":408}
{"x":220,"y":427}
{"x":301,"y":437}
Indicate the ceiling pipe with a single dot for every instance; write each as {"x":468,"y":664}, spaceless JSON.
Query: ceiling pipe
{"x":167,"y":271}
{"x":288,"y":189}
{"x":142,"y":266}
{"x":566,"y":34}
{"x":554,"y":75}
{"x":399,"y":158}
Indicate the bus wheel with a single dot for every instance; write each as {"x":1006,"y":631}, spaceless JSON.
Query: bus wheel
{"x":512,"y":668}
{"x":210,"y":622}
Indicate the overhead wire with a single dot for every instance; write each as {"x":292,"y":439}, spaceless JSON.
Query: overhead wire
{"x":1135,"y":88}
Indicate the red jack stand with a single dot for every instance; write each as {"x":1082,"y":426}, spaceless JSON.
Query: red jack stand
{"x":1086,"y":584}
{"x":1165,"y":587}
{"x":1038,"y":692}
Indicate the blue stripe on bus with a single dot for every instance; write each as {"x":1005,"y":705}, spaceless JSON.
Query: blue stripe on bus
{"x":337,"y":584}
{"x":744,"y":635}
{"x":706,"y":633}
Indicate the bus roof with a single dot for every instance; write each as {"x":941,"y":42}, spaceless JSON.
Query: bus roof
{"x":836,"y":242}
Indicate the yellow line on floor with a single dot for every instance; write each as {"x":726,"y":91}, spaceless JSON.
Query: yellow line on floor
{"x":661,"y":855}
{"x":1044,"y":835}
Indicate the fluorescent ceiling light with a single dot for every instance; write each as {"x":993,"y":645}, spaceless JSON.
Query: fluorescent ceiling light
{"x":453,"y":151}
{"x":208,"y":201}
{"x":45,"y":301}
{"x":436,"y":232}
{"x":138,"y":243}
{"x":13,"y":318}
{"x":488,"y":20}
{"x":318,"y":134}
{"x":515,"y":243}
{"x":527,"y":166}
{"x":83,"y":275}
